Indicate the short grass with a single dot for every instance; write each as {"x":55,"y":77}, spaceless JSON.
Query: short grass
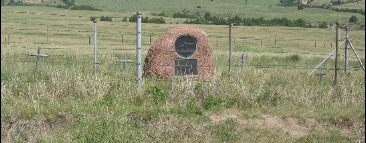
{"x":275,"y":99}
{"x":250,"y":8}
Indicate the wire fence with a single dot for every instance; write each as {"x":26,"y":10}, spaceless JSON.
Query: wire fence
{"x":123,"y":41}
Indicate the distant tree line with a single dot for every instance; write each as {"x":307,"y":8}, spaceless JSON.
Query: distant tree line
{"x":289,"y":3}
{"x":341,"y":2}
{"x":103,"y":18}
{"x":160,"y":20}
{"x":68,"y":4}
{"x":84,"y":7}
{"x":236,"y":20}
{"x":186,"y":14}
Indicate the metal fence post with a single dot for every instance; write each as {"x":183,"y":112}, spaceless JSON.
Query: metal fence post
{"x":346,"y":52}
{"x":336,"y":66}
{"x":230,"y":48}
{"x":125,"y":61}
{"x":95,"y":45}
{"x":38,"y":55}
{"x":138,"y":51}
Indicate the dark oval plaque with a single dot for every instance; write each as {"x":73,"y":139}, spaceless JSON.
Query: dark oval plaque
{"x":185,"y":45}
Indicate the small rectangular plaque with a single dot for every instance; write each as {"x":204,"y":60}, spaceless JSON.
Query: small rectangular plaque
{"x":185,"y":67}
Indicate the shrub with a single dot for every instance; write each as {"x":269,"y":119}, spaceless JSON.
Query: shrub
{"x":193,"y":108}
{"x":92,"y":18}
{"x":210,"y":103}
{"x":124,"y":19}
{"x":295,"y":57}
{"x":323,"y":25}
{"x":162,"y":14}
{"x":353,"y":19}
{"x":300,"y":7}
{"x":157,"y":94}
{"x":106,"y":18}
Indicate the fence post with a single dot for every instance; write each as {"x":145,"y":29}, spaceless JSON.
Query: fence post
{"x":38,"y":55}
{"x":9,"y":38}
{"x":138,"y":51}
{"x":346,"y":52}
{"x":275,"y":41}
{"x":95,"y":45}
{"x":336,"y":66}
{"x":261,"y":43}
{"x":47,"y":33}
{"x":150,"y":39}
{"x":230,"y":48}
{"x":122,"y":38}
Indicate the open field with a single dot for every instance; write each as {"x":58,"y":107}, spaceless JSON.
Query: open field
{"x":273,"y":100}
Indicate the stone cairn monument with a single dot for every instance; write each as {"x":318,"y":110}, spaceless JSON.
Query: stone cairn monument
{"x":183,"y":52}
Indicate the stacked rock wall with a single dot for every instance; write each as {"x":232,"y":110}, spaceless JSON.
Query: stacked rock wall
{"x":159,"y":62}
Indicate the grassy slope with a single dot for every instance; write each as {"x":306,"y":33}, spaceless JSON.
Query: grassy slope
{"x":253,"y":8}
{"x":66,"y":102}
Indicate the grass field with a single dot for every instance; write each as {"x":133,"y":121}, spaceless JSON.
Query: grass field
{"x":274,"y":100}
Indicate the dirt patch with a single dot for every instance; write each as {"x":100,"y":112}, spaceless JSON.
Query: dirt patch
{"x":221,"y":117}
{"x":288,"y":125}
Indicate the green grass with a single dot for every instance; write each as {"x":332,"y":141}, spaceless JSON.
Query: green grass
{"x":67,"y":102}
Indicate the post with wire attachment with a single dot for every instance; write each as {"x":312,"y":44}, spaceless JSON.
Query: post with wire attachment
{"x":125,"y":61}
{"x":321,"y":74}
{"x":230,"y":47}
{"x":95,"y":45}
{"x":346,"y":52}
{"x":138,"y":52}
{"x":38,"y":55}
{"x":242,"y":60}
{"x":336,"y":66}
